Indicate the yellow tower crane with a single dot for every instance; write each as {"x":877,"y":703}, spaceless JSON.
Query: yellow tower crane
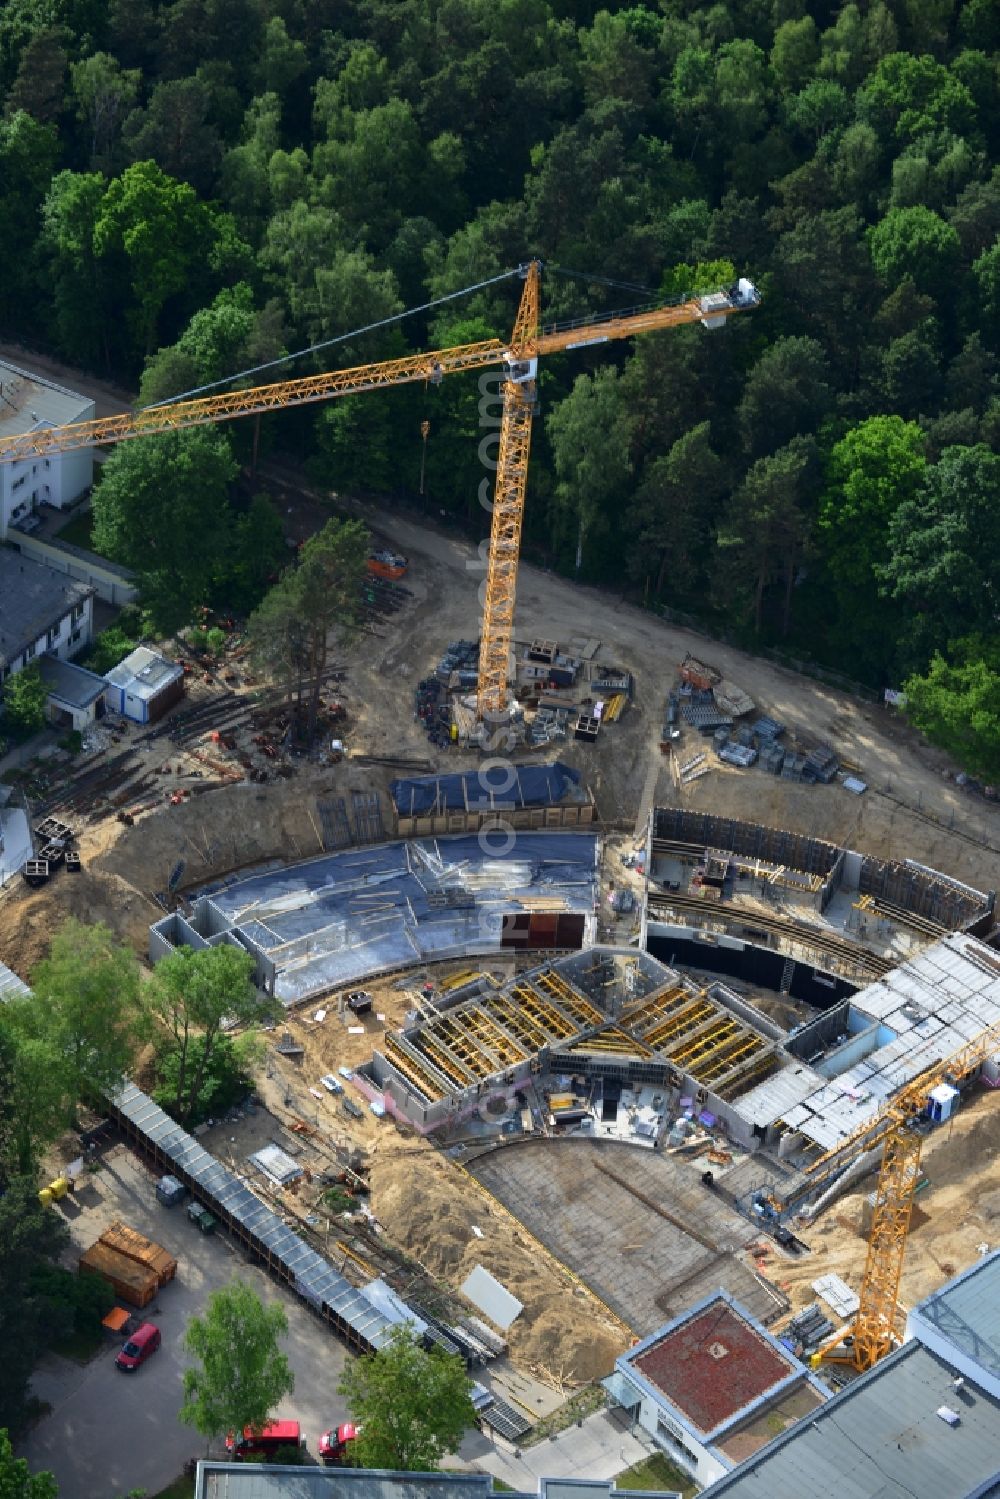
{"x":518,"y":358}
{"x":898,"y":1129}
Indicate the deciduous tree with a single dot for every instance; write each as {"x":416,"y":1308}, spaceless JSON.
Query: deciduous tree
{"x":162,"y":508}
{"x":241,"y":1373}
{"x":16,"y":1479}
{"x":88,"y":987}
{"x":413,"y":1407}
{"x":192,"y":993}
{"x":24,"y":699}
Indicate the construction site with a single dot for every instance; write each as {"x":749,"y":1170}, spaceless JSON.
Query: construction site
{"x":569,"y":1019}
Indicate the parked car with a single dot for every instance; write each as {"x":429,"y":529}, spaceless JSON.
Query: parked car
{"x":334,"y":1445}
{"x":141,"y":1345}
{"x":274,"y":1435}
{"x":331,"y":1084}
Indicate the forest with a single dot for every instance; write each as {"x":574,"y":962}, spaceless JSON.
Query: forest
{"x":195,"y":188}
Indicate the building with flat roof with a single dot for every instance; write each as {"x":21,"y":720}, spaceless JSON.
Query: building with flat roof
{"x":911,"y":1427}
{"x":76,"y":696}
{"x":144,"y":685}
{"x":41,"y":611}
{"x":961,"y":1323}
{"x":712,"y":1387}
{"x":27,"y":402}
{"x":267,"y":1481}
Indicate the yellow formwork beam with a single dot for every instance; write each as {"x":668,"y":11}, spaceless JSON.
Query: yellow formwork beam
{"x":443,"y":1055}
{"x":412,"y":1071}
{"x":728,"y":1055}
{"x":699,"y":1048}
{"x":680,"y":1025}
{"x":544,"y":1011}
{"x":739,"y":1079}
{"x":612,"y":1042}
{"x":485,"y":1032}
{"x":654,"y":1005}
{"x":571,"y":1000}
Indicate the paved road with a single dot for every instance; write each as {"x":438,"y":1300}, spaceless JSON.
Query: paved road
{"x":600,"y":1447}
{"x":109,"y":1432}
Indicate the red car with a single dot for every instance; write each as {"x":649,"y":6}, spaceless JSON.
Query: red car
{"x":140,"y":1346}
{"x":334,"y":1444}
{"x":274,"y":1435}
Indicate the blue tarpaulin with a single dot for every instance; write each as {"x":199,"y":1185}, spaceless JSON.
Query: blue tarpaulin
{"x":497,"y":787}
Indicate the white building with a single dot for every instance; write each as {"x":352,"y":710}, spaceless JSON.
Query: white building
{"x":713,"y":1387}
{"x":144,"y":685}
{"x":28,"y":402}
{"x":41,"y":611}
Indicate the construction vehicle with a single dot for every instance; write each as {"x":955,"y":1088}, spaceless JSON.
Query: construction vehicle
{"x":519,"y":359}
{"x":898,"y":1129}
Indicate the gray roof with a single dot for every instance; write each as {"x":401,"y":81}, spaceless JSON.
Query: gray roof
{"x":882,"y":1438}
{"x":253,"y":1481}
{"x":33,"y":598}
{"x":27,"y":399}
{"x":144,"y":672}
{"x":71,"y":684}
{"x":967,"y":1312}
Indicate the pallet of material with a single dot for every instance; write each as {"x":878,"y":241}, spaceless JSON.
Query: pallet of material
{"x":131,"y":1281}
{"x":698,"y":675}
{"x":135,"y":1246}
{"x":732,"y":699}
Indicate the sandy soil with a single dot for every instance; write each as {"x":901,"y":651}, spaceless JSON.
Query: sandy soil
{"x":958,"y":1210}
{"x":428,"y":1205}
{"x":423,"y":1199}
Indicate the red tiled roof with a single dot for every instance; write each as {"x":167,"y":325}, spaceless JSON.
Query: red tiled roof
{"x":712,"y":1366}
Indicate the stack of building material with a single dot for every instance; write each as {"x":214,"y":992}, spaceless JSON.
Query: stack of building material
{"x":129,"y":1280}
{"x":738,"y":754}
{"x":791,"y":769}
{"x":732,"y":699}
{"x":135,"y":1246}
{"x":696,"y":674}
{"x":704,"y":717}
{"x":821,"y":764}
{"x":809,"y":1330}
{"x":767,"y":728}
{"x":772,"y":757}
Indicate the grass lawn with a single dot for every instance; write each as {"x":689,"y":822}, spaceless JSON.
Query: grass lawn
{"x":657,"y":1472}
{"x":79,"y":1346}
{"x":77,"y":531}
{"x":181,"y":1488}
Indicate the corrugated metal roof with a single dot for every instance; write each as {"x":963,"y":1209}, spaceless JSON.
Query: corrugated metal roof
{"x":881,"y":1438}
{"x":967,"y":1313}
{"x":933,"y":1005}
{"x":313,"y":1276}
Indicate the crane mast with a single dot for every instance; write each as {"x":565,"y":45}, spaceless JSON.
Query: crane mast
{"x":519,"y":359}
{"x":508,"y":509}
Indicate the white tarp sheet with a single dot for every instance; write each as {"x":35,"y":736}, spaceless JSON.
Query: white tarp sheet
{"x":492,"y":1298}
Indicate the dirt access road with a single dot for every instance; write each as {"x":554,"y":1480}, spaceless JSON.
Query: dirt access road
{"x":910,"y":810}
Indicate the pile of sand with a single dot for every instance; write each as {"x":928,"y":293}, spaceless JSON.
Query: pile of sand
{"x":953,"y":1215}
{"x":29,"y":918}
{"x":428,"y":1206}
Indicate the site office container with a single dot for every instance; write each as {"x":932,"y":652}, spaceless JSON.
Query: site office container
{"x":128,"y":1279}
{"x":135,"y":1246}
